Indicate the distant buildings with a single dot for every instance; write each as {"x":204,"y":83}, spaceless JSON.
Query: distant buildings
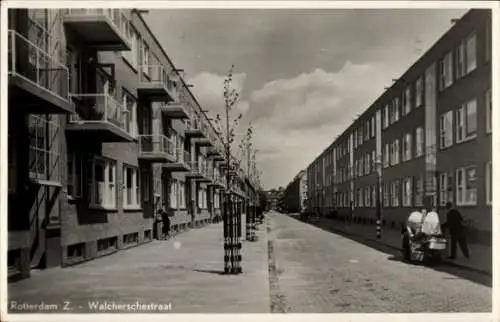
{"x":295,"y":194}
{"x":274,"y":197}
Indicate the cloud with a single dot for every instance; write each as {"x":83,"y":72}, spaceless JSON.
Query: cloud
{"x":297,"y":118}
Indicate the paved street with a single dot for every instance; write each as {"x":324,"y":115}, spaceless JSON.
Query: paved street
{"x":183,"y":274}
{"x":321,"y":272}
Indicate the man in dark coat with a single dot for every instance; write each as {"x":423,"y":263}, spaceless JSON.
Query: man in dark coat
{"x":166,"y":223}
{"x":455,"y":226}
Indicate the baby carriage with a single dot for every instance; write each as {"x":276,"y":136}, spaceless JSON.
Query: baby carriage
{"x":423,"y":240}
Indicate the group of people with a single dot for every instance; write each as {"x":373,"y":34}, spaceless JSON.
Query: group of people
{"x":424,"y":223}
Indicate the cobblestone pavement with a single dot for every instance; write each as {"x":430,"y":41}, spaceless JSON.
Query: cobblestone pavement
{"x":183,"y":274}
{"x":322,"y":272}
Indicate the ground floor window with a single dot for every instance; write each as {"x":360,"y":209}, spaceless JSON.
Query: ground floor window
{"x":407,"y":192}
{"x":131,"y":187}
{"x":182,"y":194}
{"x":173,"y":194}
{"x":445,"y":191}
{"x":386,"y":195}
{"x":102,"y":182}
{"x":466,"y":188}
{"x":419,"y":191}
{"x":367,"y":197}
{"x":395,"y":194}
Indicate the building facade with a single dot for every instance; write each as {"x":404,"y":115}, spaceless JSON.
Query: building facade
{"x":425,"y":141}
{"x":295,"y":194}
{"x":103,"y":131}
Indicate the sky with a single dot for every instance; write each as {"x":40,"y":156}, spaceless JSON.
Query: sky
{"x":303,"y":74}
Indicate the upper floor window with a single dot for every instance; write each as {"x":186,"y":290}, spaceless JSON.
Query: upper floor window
{"x":132,"y":56}
{"x":466,"y":57}
{"x":466,"y":121}
{"x":395,"y":107}
{"x":395,"y":152}
{"x":130,"y":117}
{"x":102,"y":183}
{"x":419,"y":92}
{"x":385,"y":122}
{"x":407,"y":147}
{"x":367,"y":130}
{"x":386,"y":156}
{"x":145,"y":58}
{"x":489,"y":111}
{"x":419,"y":142}
{"x":446,"y":130}
{"x":373,"y":127}
{"x":446,"y":71}
{"x":407,"y":101}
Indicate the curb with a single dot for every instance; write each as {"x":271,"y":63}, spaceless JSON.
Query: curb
{"x":447,"y":262}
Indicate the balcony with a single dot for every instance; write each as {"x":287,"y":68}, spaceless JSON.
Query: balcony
{"x":195,"y":173}
{"x":175,"y":111}
{"x":38,"y":82}
{"x":193,"y":129}
{"x":100,"y":118}
{"x":99,"y":28}
{"x":207,"y":174}
{"x":207,"y":139}
{"x":155,"y":85}
{"x":156,"y":148}
{"x":181,"y":162}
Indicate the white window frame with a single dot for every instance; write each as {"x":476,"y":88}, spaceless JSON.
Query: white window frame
{"x":489,"y":183}
{"x":132,"y":56}
{"x":407,"y":101}
{"x":419,"y":141}
{"x":419,"y":191}
{"x":108,"y":187}
{"x":446,"y":71}
{"x":407,"y":147}
{"x":387,"y":155}
{"x":130,"y":106}
{"x":395,"y":152}
{"x":465,"y":194}
{"x":407,"y":192}
{"x":419,"y":92}
{"x":395,"y":106}
{"x":173,"y":194}
{"x":386,"y":195}
{"x":446,"y":130}
{"x":367,"y":197}
{"x":385,"y":123}
{"x":374,"y":195}
{"x":145,"y":58}
{"x":134,"y":189}
{"x":373,"y":125}
{"x":471,"y":53}
{"x":395,"y":193}
{"x":489,"y":110}
{"x":462,"y":124}
{"x":444,"y":185}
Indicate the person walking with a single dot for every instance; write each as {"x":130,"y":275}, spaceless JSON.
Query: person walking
{"x":455,"y":226}
{"x":166,"y":223}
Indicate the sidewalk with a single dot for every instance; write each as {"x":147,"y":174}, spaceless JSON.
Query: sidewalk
{"x":481,"y":255}
{"x":184,"y":272}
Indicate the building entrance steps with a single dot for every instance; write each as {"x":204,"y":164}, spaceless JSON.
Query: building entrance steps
{"x":185,"y":271}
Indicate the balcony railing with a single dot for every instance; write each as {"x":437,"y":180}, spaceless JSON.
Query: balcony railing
{"x":37,"y":67}
{"x":155,"y":83}
{"x":156,"y":146}
{"x":104,"y":27}
{"x":103,"y":109}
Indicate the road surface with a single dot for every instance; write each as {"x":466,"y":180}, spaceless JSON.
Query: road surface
{"x":316,"y":271}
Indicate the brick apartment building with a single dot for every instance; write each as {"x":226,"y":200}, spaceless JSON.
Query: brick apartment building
{"x":103,"y":131}
{"x":295,"y":194}
{"x":427,"y":137}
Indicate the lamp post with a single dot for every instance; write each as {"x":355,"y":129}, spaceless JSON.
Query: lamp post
{"x":378,"y":212}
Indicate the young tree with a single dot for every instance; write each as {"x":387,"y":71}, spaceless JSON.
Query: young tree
{"x":226,"y":127}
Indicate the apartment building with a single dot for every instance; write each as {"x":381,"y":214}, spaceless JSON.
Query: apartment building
{"x":103,"y":131}
{"x":425,"y":141}
{"x":295,"y":195}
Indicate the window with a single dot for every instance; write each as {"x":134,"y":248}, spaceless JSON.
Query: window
{"x":407,"y":147}
{"x":131,"y":187}
{"x":145,"y":58}
{"x":102,"y":183}
{"x":466,"y":189}
{"x":385,"y":122}
{"x":75,"y":171}
{"x":373,"y":127}
{"x":395,"y":110}
{"x":407,"y":192}
{"x":374,"y":161}
{"x":368,"y":197}
{"x":359,"y":200}
{"x":374,"y":195}
{"x":44,"y":147}
{"x":395,"y":194}
{"x":407,"y":101}
{"x":367,"y":130}
{"x":444,"y":189}
{"x":387,"y":157}
{"x":130,"y":117}
{"x":419,"y":92}
{"x":368,"y":164}
{"x":445,"y":71}
{"x":173,"y":194}
{"x":489,"y":111}
{"x":360,"y":136}
{"x":395,"y":152}
{"x":489,"y":183}
{"x":386,"y":195}
{"x":466,"y":57}
{"x":145,"y":178}
{"x":446,"y":130}
{"x":419,"y":142}
{"x":419,"y":191}
{"x":466,"y":121}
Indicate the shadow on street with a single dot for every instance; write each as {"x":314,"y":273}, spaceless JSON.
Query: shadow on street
{"x":395,"y":254}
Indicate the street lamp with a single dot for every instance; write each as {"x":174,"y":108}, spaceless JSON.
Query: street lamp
{"x":378,"y":212}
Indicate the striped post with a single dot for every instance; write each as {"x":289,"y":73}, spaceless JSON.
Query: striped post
{"x":227,"y":234}
{"x":248,"y":222}
{"x":379,"y":228}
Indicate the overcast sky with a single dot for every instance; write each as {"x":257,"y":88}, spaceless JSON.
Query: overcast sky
{"x":304,"y":74}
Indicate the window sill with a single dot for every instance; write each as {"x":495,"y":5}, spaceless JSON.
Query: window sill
{"x":467,"y":139}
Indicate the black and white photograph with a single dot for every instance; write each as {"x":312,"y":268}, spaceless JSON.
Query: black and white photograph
{"x":170,"y":157}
